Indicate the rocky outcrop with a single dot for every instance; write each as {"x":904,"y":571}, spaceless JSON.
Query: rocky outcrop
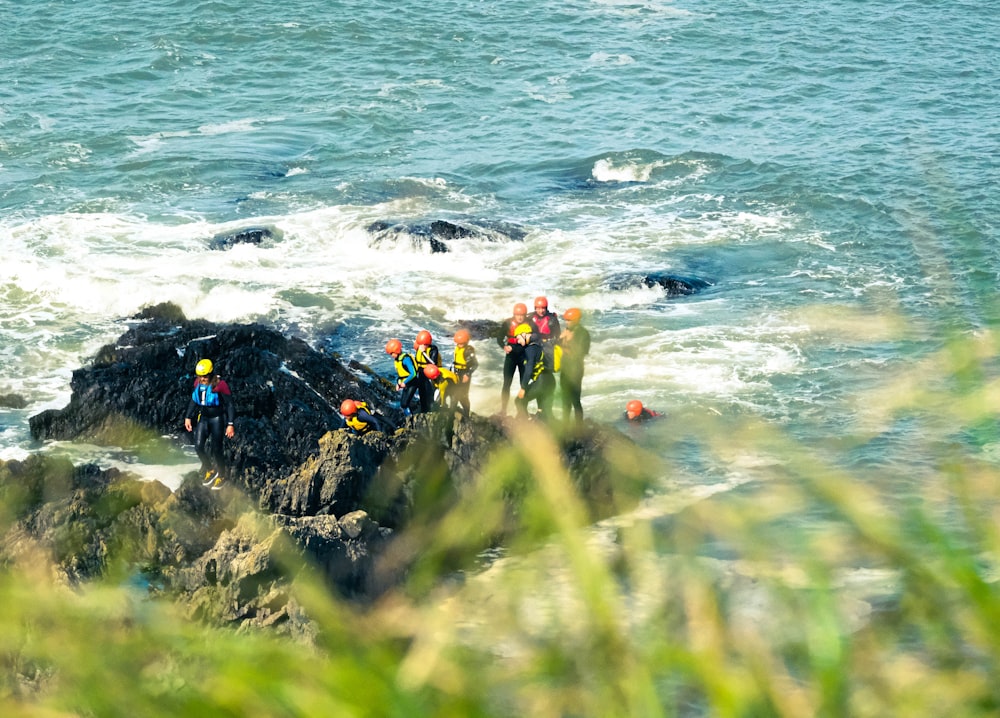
{"x":437,"y":234}
{"x":307,"y":497}
{"x":673,"y":284}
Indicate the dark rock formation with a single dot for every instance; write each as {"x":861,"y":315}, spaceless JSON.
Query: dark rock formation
{"x":307,"y":497}
{"x":249,"y":235}
{"x":286,"y":393}
{"x":438,"y":233}
{"x":12,"y":401}
{"x":674,"y":285}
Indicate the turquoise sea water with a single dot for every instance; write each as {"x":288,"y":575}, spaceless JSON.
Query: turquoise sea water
{"x":830,"y":168}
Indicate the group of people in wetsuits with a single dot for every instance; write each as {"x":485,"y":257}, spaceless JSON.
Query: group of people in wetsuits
{"x":536,"y":348}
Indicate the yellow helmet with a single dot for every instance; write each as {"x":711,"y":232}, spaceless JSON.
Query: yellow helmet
{"x":203,"y":368}
{"x":523,"y":328}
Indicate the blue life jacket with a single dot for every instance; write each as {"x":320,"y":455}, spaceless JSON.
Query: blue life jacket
{"x":203,"y":395}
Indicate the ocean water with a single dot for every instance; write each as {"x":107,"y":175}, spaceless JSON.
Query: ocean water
{"x":829,"y":169}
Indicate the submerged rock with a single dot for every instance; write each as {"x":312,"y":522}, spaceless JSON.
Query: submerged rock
{"x":436,"y":234}
{"x":248,"y":235}
{"x":674,"y":285}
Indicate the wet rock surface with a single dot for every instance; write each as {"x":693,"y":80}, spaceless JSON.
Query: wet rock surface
{"x":306,"y":494}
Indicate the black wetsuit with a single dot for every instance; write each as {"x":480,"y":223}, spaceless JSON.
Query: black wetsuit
{"x":538,"y":382}
{"x":571,"y":372}
{"x":210,"y":410}
{"x":513,"y":361}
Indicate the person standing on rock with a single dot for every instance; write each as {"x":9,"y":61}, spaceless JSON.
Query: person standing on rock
{"x":574,"y":342}
{"x":513,"y":353}
{"x":538,"y":382}
{"x":407,"y":381}
{"x":545,"y":324}
{"x":463,"y":364}
{"x":211,"y":414}
{"x":425,"y":353}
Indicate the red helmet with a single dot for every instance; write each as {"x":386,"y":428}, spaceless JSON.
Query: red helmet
{"x":462,"y":336}
{"x":393,"y":346}
{"x":348,"y":407}
{"x":432,"y":372}
{"x":541,"y":303}
{"x":423,"y":337}
{"x":634,"y":407}
{"x":520,"y":308}
{"x":572,"y":314}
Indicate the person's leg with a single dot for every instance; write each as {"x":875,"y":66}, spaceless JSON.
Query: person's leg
{"x":509,"y":365}
{"x":201,"y":432}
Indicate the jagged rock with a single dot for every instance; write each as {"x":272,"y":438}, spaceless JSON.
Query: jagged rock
{"x":286,"y":393}
{"x":304,"y":490}
{"x":437,"y":233}
{"x":674,"y":285}
{"x":248,"y":235}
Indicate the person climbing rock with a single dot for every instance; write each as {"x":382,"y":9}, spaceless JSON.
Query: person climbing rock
{"x":444,"y":381}
{"x":358,"y":417}
{"x":407,"y":382}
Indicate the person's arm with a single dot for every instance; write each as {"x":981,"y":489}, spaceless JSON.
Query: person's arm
{"x":471,"y":360}
{"x":411,"y":369}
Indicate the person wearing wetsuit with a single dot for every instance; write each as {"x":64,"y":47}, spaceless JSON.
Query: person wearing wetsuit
{"x":513,"y":353}
{"x":636,"y":413}
{"x":425,"y":354}
{"x":211,"y":414}
{"x":357,"y":417}
{"x":406,"y":373}
{"x":538,"y":383}
{"x":545,"y":325}
{"x":463,"y":364}
{"x":575,"y":344}
{"x":444,"y":381}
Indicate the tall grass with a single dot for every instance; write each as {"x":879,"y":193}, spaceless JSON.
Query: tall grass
{"x":879,"y":604}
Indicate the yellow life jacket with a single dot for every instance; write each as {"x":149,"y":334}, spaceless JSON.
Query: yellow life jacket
{"x":557,"y":357}
{"x":460,"y":363}
{"x":355,"y":422}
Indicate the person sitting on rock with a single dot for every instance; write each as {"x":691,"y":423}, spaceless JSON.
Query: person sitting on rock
{"x":444,"y":381}
{"x":463,"y":364}
{"x":425,"y":352}
{"x":211,"y":404}
{"x":538,"y":383}
{"x":636,"y":413}
{"x":407,"y":382}
{"x":357,"y":417}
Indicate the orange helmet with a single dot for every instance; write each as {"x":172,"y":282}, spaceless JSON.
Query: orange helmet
{"x":393,"y":346}
{"x":348,"y":407}
{"x":520,"y":308}
{"x":462,"y":336}
{"x":634,"y":407}
{"x":432,"y":372}
{"x":423,"y":337}
{"x":541,"y":303}
{"x":572,"y":314}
